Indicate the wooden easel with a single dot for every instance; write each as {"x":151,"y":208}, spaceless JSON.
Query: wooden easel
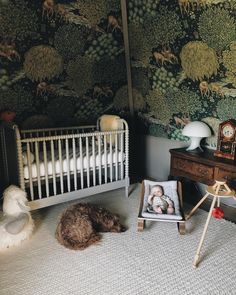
{"x":219,"y":190}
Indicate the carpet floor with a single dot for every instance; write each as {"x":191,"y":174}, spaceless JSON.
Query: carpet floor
{"x":156,"y":261}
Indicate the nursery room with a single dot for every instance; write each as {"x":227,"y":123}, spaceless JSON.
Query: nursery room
{"x":117,"y":147}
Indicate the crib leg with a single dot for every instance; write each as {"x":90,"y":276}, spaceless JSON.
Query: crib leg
{"x":127,"y":187}
{"x":126,"y":191}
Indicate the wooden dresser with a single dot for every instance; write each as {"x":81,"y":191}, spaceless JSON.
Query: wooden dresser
{"x":202,"y":167}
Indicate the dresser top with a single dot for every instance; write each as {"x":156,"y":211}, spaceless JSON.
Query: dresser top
{"x":206,"y":157}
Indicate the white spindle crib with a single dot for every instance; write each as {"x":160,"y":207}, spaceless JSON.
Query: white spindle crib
{"x":61,"y":164}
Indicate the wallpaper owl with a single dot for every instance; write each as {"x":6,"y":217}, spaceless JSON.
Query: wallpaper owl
{"x":183,"y":63}
{"x":61,"y":62}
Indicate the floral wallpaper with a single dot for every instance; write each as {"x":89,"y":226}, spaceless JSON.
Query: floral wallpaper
{"x":61,"y":62}
{"x":183,"y":63}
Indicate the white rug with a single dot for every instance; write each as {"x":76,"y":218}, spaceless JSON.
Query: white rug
{"x":156,"y":261}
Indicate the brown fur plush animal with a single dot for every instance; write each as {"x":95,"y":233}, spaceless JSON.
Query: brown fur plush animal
{"x":79,"y":225}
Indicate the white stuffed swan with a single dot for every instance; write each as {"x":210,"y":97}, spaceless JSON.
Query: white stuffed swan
{"x":16,"y":223}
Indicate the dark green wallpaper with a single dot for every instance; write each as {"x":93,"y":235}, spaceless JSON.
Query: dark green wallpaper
{"x":61,"y":62}
{"x":183,"y":63}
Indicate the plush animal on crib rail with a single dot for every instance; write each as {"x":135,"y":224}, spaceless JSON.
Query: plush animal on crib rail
{"x":110,"y":123}
{"x":16,"y":223}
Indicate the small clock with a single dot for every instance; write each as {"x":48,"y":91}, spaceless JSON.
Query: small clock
{"x":228,"y":131}
{"x":226,"y":144}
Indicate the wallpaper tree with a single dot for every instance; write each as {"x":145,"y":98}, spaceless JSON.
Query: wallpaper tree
{"x":186,"y":54}
{"x":61,"y":62}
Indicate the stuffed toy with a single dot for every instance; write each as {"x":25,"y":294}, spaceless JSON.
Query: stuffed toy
{"x":16,"y":223}
{"x":110,"y":123}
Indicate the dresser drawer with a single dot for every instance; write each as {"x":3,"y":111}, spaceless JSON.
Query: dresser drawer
{"x":183,"y":165}
{"x":202,"y":167}
{"x":193,"y":168}
{"x":203,"y":171}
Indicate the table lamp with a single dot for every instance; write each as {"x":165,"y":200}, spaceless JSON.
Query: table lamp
{"x":196,"y":131}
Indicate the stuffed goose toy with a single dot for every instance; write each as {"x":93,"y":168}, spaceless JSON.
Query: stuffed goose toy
{"x":16,"y":223}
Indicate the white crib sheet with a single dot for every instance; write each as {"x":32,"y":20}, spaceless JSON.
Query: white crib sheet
{"x":70,"y":167}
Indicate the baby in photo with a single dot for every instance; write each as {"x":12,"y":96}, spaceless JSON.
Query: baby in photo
{"x":158,"y":202}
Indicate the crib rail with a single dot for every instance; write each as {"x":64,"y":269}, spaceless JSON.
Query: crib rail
{"x":32,"y":133}
{"x":76,"y":160}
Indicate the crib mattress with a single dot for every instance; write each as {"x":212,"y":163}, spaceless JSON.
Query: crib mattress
{"x":68,"y":165}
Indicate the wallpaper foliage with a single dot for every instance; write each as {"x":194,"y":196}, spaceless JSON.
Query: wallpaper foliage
{"x":61,"y":62}
{"x":183,"y":63}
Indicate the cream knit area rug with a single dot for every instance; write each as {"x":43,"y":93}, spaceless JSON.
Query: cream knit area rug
{"x":156,"y":261}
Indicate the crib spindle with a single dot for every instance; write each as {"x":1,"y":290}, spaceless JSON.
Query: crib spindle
{"x":61,"y":166}
{"x":94,"y":160}
{"x":38,"y":169}
{"x":122,"y":152}
{"x":67,"y":165}
{"x":99,"y":160}
{"x":111,"y":156}
{"x":105,"y":157}
{"x":31,"y":144}
{"x":53,"y":169}
{"x":126,"y":156}
{"x":88,"y":160}
{"x":81,"y":162}
{"x":30,"y":171}
{"x":116,"y":155}
{"x":75,"y":163}
{"x":46,"y":168}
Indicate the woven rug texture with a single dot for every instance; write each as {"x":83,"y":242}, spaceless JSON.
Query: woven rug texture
{"x":156,"y":261}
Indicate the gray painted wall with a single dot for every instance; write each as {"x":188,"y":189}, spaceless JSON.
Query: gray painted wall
{"x":158,"y":160}
{"x":158,"y":156}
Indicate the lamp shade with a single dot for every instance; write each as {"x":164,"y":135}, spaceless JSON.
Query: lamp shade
{"x":196,"y":131}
